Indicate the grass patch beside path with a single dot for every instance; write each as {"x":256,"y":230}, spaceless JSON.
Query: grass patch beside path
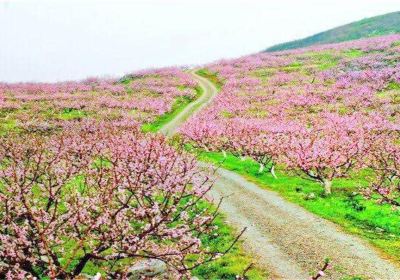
{"x":212,"y":77}
{"x":179,"y":105}
{"x":378,"y":224}
{"x":233,"y":263}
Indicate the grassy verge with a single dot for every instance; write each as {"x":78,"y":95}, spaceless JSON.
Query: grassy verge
{"x":179,"y":105}
{"x":232,"y":264}
{"x":378,"y":224}
{"x":212,"y":77}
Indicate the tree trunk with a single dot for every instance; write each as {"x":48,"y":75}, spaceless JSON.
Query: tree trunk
{"x":273,"y":171}
{"x":261,"y":168}
{"x":327,"y":186}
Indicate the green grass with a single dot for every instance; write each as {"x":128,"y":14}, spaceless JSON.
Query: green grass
{"x":293,"y":67}
{"x":378,"y":224}
{"x":72,"y":114}
{"x":353,"y":53}
{"x":393,"y":86}
{"x":178,"y":106}
{"x":7,"y":125}
{"x":325,"y":60}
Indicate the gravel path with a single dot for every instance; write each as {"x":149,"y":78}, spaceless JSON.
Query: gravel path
{"x":285,"y":239}
{"x":209,"y":91}
{"x":288,"y":240}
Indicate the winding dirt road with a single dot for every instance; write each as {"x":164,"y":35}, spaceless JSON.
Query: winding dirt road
{"x":209,"y":91}
{"x":285,"y":239}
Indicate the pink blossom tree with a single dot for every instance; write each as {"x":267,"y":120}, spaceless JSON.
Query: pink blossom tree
{"x":240,"y":137}
{"x":385,"y":161}
{"x":97,"y":195}
{"x":249,"y":138}
{"x":327,"y":150}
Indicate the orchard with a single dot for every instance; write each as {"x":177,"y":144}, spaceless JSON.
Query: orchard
{"x":319,"y":112}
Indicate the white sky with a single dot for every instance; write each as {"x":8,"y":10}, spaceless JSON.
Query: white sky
{"x":49,"y":40}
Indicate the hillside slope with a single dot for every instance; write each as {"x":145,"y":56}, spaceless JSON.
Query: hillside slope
{"x":369,"y":27}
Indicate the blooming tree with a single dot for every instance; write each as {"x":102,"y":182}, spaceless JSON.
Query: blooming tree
{"x":102,"y":195}
{"x":385,"y":161}
{"x":327,"y":150}
{"x":241,"y":138}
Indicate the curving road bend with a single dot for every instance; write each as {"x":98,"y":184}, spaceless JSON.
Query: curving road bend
{"x":209,"y":92}
{"x":284,"y":238}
